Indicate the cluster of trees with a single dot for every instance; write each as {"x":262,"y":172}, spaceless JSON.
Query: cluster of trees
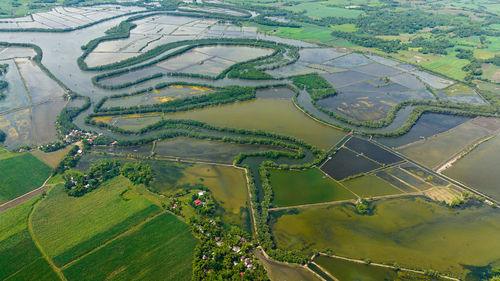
{"x":69,"y":161}
{"x":3,"y":68}
{"x":65,"y":119}
{"x":317,"y":87}
{"x":226,"y":95}
{"x":393,"y":22}
{"x":53,"y":146}
{"x":3,"y":136}
{"x":370,"y":41}
{"x":434,"y":46}
{"x":3,"y":85}
{"x":78,"y":184}
{"x":216,"y":254}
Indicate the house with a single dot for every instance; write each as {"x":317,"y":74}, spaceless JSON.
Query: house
{"x":201,"y":193}
{"x":197,"y":202}
{"x":236,"y":249}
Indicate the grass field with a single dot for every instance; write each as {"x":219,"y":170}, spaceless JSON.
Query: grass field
{"x":413,"y":232}
{"x":273,"y":115}
{"x":68,"y":226}
{"x":162,"y":249}
{"x":370,"y":186}
{"x":51,"y":158}
{"x":19,"y":257}
{"x":21,"y":174}
{"x":292,"y":188}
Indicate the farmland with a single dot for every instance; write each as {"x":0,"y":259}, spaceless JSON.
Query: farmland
{"x":261,"y":140}
{"x":21,"y":174}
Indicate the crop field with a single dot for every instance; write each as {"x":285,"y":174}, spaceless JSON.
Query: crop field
{"x":346,"y":163}
{"x":65,"y":236}
{"x":21,"y":174}
{"x":16,"y":245}
{"x":408,"y":178}
{"x":437,"y":149}
{"x":273,"y":115}
{"x":370,"y":186}
{"x":166,"y":254}
{"x":413,"y":232}
{"x":51,"y":158}
{"x":477,"y":168}
{"x":372,"y":151}
{"x":292,"y":188}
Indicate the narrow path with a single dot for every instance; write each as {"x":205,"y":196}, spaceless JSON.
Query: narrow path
{"x":25,"y":197}
{"x":343,"y":201}
{"x":56,"y":269}
{"x":384,"y":266}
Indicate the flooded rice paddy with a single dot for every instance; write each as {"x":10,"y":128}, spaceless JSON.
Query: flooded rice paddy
{"x":413,"y":232}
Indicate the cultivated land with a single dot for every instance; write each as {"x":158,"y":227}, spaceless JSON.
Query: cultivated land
{"x":21,"y":174}
{"x":218,"y":142}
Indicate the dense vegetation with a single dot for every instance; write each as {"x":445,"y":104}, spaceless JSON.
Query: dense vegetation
{"x":78,"y":184}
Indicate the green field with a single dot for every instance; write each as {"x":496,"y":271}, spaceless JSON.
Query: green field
{"x":292,"y":188}
{"x":19,"y":257}
{"x":370,"y":186}
{"x":67,"y":227}
{"x":413,"y":232}
{"x":21,"y":174}
{"x":162,"y":249}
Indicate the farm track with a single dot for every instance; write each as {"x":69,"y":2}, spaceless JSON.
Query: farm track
{"x":342,"y":201}
{"x":25,"y":197}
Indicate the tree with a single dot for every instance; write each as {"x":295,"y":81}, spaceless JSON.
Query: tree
{"x":3,"y":136}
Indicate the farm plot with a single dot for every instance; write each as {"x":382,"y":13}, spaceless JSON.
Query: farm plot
{"x":134,"y":121}
{"x":352,"y":271}
{"x":291,"y":188}
{"x":479,"y":168}
{"x":437,"y":149}
{"x":21,"y":174}
{"x":427,"y":125}
{"x":20,"y":259}
{"x":157,"y":96}
{"x":166,"y":254}
{"x":212,"y":60}
{"x":272,"y":115}
{"x":346,"y":163}
{"x":17,"y":127}
{"x":408,"y":178}
{"x":16,"y":95}
{"x":372,"y":151}
{"x":187,"y":148}
{"x":461,"y":93}
{"x":108,"y":211}
{"x":414,"y":232}
{"x":370,"y":186}
{"x":40,"y":86}
{"x":68,"y":17}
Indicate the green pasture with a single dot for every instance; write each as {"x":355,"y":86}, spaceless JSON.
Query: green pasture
{"x":292,"y":188}
{"x":21,"y":174}
{"x":67,"y":227}
{"x":161,"y":249}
